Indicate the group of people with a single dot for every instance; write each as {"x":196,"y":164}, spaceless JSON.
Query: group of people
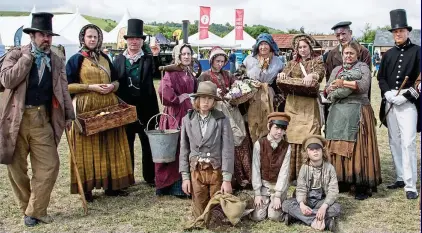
{"x":266,"y":144}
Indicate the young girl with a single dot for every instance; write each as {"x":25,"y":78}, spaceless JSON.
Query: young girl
{"x":206,"y":149}
{"x":316,"y":190}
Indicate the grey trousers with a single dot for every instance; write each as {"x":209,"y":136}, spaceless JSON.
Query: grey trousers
{"x":292,"y":207}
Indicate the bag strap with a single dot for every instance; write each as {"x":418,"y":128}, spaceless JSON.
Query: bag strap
{"x":98,"y":64}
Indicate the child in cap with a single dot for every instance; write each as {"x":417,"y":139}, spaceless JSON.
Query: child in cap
{"x":270,"y":169}
{"x":206,"y":149}
{"x":316,"y":190}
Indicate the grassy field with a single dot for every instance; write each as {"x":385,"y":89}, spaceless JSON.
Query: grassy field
{"x":142,"y":211}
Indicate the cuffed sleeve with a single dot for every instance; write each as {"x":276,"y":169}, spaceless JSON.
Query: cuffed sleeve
{"x":76,"y":88}
{"x":185,"y":175}
{"x":227,"y":176}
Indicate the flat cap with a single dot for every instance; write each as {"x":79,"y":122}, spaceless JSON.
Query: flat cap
{"x":279,"y":118}
{"x":341,"y":24}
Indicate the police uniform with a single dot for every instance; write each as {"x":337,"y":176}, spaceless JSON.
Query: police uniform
{"x":397,"y":63}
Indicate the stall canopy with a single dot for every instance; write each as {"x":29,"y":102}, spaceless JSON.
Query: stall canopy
{"x":247,"y":42}
{"x":212,"y":40}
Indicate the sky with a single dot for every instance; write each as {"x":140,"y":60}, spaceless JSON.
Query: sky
{"x":315,"y":16}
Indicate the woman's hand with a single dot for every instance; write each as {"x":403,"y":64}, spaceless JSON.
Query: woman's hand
{"x":308,"y":80}
{"x":99,"y":88}
{"x":339,"y":82}
{"x":107,"y":88}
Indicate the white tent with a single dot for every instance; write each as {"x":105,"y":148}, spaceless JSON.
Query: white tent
{"x":212,"y":40}
{"x":247,"y":42}
{"x":111,"y":37}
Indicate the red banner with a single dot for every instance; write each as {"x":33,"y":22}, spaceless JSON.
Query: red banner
{"x":204,"y":22}
{"x":238,"y":25}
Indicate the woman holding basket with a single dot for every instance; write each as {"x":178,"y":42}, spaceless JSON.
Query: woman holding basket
{"x":175,"y":87}
{"x":223,"y":79}
{"x":304,"y":110}
{"x":104,"y":158}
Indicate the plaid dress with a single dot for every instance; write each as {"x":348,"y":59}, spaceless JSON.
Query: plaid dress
{"x":103,"y":159}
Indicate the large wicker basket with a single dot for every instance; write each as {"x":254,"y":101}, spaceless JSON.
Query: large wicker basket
{"x":244,"y":98}
{"x":92,"y":122}
{"x":294,"y":86}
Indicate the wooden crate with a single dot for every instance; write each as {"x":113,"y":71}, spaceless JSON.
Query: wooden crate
{"x":90,"y":123}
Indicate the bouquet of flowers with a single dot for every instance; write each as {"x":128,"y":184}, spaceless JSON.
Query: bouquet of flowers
{"x":241,"y":91}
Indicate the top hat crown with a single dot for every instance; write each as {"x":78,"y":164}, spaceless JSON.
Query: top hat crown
{"x":135,"y":29}
{"x":398,"y":20}
{"x":41,"y":22}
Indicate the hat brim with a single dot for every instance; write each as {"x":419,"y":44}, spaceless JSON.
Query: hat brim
{"x":31,"y":30}
{"x":127,"y":37}
{"x":409,"y":28}
{"x":280,"y":122}
{"x":199,"y":94}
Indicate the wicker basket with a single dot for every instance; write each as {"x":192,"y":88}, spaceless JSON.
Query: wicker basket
{"x":244,"y":98}
{"x":295,"y":86}
{"x":92,"y":122}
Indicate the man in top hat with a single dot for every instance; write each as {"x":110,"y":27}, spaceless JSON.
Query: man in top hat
{"x":403,"y":60}
{"x":270,"y":169}
{"x":136,"y":70}
{"x":36,"y":109}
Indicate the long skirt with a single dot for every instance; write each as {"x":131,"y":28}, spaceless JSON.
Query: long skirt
{"x":296,"y":161}
{"x":242,"y":176}
{"x":358,"y":163}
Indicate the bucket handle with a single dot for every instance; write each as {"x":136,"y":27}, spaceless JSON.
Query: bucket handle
{"x":155,"y":116}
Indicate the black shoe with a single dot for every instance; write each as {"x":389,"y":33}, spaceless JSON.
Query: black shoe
{"x":361,"y":196}
{"x":332,"y":225}
{"x":89,"y":197}
{"x":151,"y":184}
{"x":30,"y":221}
{"x":115,"y":193}
{"x":396,"y":185}
{"x":411,"y":195}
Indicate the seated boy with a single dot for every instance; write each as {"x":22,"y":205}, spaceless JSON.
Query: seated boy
{"x":270,"y":169}
{"x":316,"y":190}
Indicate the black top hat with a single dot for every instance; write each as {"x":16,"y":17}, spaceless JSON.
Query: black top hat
{"x":399,"y":20}
{"x":41,"y":22}
{"x":135,"y":29}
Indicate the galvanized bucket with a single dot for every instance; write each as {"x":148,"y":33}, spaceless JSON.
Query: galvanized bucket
{"x":163,"y":142}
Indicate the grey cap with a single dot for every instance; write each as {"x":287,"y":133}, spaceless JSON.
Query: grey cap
{"x":341,"y":24}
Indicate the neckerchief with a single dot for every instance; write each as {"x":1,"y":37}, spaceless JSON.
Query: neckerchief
{"x":222,"y":84}
{"x":90,"y":53}
{"x":134,"y":58}
{"x":42,"y":60}
{"x":274,"y":142}
{"x":264,"y":63}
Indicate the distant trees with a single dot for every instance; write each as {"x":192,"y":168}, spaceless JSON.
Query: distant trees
{"x":369,"y":33}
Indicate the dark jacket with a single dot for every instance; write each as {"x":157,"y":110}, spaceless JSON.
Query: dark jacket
{"x":146,"y":103}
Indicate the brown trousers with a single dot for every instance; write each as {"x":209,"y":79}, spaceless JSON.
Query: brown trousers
{"x":36,"y":137}
{"x":205,"y":183}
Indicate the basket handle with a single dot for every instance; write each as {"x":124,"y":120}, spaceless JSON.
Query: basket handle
{"x":155,"y":116}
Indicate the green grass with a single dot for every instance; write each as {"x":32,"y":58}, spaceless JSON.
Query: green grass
{"x":142,"y":211}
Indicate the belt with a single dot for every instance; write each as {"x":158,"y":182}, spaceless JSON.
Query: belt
{"x":33,"y":106}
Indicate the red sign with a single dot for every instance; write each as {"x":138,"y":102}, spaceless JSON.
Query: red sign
{"x":238,"y":25}
{"x":204,"y":22}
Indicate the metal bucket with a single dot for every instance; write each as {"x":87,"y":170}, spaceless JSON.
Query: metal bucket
{"x":163,"y":142}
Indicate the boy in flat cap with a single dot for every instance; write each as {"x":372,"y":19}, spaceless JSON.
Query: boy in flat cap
{"x":316,"y":190}
{"x":270,"y":169}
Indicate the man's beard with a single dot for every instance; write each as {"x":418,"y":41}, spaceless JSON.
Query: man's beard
{"x":45,"y":47}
